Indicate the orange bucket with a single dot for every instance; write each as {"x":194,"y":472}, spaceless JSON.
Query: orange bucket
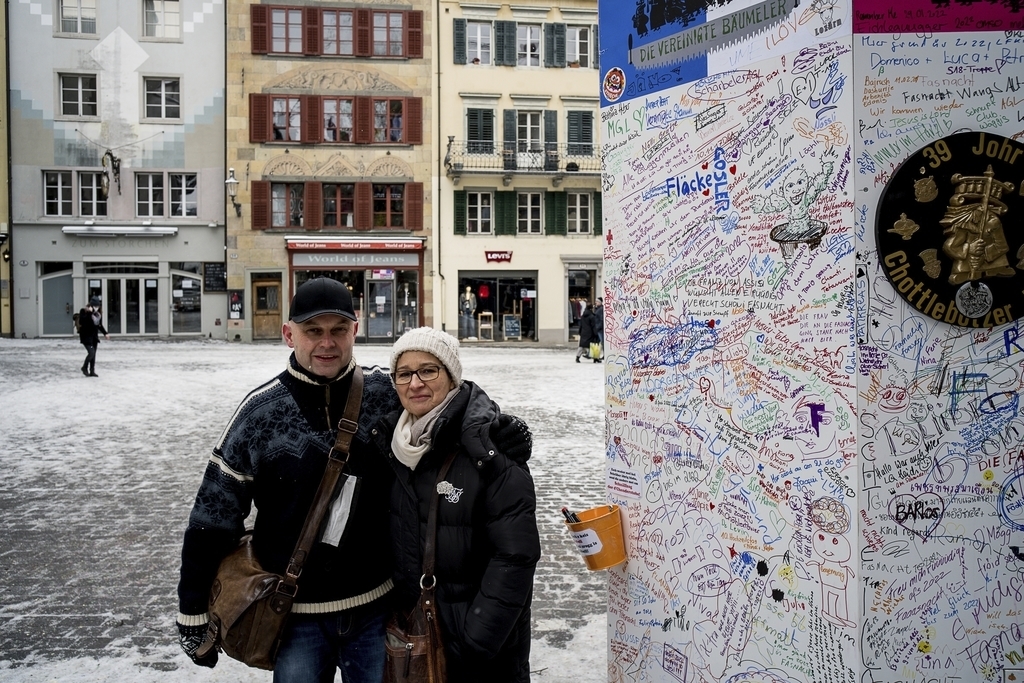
{"x":598,"y":537}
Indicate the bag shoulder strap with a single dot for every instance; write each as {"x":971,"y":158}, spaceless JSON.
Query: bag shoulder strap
{"x":336,"y":461}
{"x":431,"y":544}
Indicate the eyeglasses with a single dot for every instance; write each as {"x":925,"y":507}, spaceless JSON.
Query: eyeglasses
{"x":426,"y":374}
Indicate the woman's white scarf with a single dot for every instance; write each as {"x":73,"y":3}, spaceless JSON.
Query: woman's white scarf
{"x":412,"y":436}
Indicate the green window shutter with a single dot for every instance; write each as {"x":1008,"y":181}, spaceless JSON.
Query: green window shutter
{"x":506,"y":213}
{"x":596,"y":213}
{"x":459,"y":40}
{"x":460,"y":212}
{"x":549,"y":45}
{"x":559,"y":58}
{"x":560,"y":202}
{"x":509,"y":131}
{"x":505,"y":43}
{"x":480,"y":131}
{"x":550,"y":140}
{"x":596,"y":61}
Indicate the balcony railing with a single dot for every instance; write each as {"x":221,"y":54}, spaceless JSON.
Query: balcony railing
{"x":508,"y":158}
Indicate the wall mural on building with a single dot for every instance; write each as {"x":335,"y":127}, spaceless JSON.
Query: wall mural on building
{"x":820,"y":481}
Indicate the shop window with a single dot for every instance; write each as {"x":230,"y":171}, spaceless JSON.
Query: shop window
{"x":498,"y":308}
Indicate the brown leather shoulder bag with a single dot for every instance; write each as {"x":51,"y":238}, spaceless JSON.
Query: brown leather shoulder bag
{"x":249,"y":605}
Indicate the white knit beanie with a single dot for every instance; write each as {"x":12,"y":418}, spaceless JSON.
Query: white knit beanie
{"x":441,"y":345}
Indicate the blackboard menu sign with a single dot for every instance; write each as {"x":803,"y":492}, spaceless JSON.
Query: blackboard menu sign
{"x":512,"y":326}
{"x":215,"y":277}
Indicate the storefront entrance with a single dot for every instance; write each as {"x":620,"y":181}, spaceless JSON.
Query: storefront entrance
{"x":386,"y":301}
{"x":497,"y":308}
{"x":266,"y":307}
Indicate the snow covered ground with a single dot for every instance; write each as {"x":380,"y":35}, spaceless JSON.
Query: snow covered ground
{"x":99,"y":476}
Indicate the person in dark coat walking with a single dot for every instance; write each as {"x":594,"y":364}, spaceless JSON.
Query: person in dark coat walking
{"x":588,"y":334}
{"x":488,"y":544}
{"x":90,"y":326}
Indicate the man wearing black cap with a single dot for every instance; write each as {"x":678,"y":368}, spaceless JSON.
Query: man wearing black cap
{"x":273,"y":455}
{"x":90,"y":325}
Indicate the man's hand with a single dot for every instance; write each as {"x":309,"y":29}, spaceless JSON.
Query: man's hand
{"x":513,"y":438}
{"x":190,"y":638}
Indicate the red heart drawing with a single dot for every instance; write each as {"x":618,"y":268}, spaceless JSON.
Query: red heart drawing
{"x":706,"y":193}
{"x":651,"y":397}
{"x":732,"y":169}
{"x":711,"y":505}
{"x":711,"y":324}
{"x":704,"y":165}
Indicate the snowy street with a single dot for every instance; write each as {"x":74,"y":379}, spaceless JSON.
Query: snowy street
{"x":100,"y":475}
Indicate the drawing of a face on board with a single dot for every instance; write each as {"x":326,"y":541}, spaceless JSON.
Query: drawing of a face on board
{"x":815,"y":428}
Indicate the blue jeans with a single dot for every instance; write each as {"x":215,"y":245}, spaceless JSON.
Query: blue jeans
{"x":314,"y":645}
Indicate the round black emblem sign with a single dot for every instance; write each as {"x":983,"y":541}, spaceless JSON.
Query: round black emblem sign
{"x":950,"y":230}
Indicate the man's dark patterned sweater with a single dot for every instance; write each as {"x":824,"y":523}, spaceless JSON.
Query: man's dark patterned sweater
{"x":272,"y":455}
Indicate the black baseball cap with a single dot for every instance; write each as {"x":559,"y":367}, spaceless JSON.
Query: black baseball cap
{"x":319,"y":296}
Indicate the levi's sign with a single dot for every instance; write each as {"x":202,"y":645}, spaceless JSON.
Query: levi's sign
{"x":498,"y":256}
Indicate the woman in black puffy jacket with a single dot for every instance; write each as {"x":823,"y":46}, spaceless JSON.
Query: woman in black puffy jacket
{"x":487,"y":539}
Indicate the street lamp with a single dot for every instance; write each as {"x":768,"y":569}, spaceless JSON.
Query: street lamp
{"x":232,"y":185}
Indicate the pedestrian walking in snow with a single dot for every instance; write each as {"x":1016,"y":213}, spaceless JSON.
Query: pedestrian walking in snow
{"x":272,"y":455}
{"x":90,"y":327}
{"x":588,"y":335}
{"x":487,"y":542}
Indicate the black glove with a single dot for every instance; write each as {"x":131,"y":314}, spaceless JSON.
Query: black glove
{"x":190,"y":638}
{"x":513,"y":438}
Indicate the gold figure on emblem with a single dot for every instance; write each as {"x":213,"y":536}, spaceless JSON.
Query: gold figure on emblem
{"x":975,"y":239}
{"x":905,"y":227}
{"x":926,"y":190}
{"x":932,"y":266}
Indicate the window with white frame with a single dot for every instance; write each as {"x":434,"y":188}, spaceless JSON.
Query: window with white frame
{"x":149,"y":195}
{"x":57,"y":193}
{"x":162,"y":19}
{"x":287,"y":118}
{"x":478,"y":42}
{"x":338,"y":27}
{"x":78,"y":16}
{"x":78,"y":95}
{"x":478,"y":213}
{"x":577,"y":45}
{"x":286,"y":30}
{"x":287,"y":205}
{"x":163,"y":98}
{"x":578,"y":213}
{"x":528,"y":45}
{"x":184,"y":194}
{"x":92,"y":197}
{"x":529,"y":213}
{"x":387,"y":34}
{"x":528,"y":131}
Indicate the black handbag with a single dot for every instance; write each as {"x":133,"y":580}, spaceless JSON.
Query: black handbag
{"x":249,"y":605}
{"x":414,"y":647}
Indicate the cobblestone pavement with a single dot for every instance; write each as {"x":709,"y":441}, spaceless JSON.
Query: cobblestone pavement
{"x":99,"y":475}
